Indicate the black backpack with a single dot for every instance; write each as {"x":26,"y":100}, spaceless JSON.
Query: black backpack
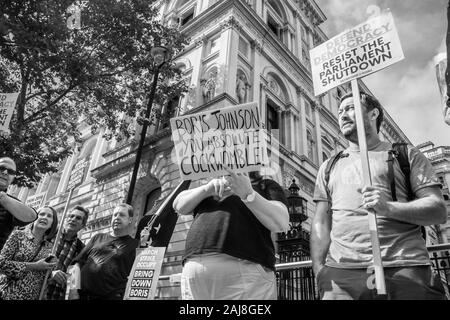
{"x":400,"y":152}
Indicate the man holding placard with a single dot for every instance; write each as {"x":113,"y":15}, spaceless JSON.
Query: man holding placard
{"x":341,"y":247}
{"x":229,"y":253}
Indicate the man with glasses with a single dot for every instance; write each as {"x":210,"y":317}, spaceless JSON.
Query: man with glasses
{"x":13,"y":213}
{"x":69,"y":247}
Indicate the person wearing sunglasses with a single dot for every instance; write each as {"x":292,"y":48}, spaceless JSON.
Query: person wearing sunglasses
{"x":13,"y":213}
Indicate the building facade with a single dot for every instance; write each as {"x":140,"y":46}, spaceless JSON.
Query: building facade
{"x":440,"y":159}
{"x":240,"y":51}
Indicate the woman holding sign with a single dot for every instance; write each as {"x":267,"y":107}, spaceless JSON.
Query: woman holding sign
{"x":25,"y":258}
{"x":229,"y":252}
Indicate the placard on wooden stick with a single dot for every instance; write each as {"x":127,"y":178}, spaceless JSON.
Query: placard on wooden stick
{"x":373,"y":228}
{"x":143,"y":278}
{"x":367,"y":48}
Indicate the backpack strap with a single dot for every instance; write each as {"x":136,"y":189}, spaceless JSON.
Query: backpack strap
{"x":391,"y":176}
{"x":331,"y":163}
{"x":400,"y":150}
{"x":401,"y":153}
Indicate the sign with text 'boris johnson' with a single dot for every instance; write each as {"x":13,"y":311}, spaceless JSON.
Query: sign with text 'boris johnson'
{"x":208,"y":142}
{"x":355,"y":53}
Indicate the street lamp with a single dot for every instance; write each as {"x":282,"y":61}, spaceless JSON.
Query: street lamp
{"x":297,"y":208}
{"x":160,"y":57}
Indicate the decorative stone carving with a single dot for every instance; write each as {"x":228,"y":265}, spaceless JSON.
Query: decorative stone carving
{"x":232,"y":22}
{"x":255,"y":44}
{"x":209,"y":86}
{"x":199,"y":42}
{"x":242,"y":87}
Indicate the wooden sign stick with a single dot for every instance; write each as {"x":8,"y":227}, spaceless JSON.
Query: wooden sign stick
{"x":377,"y":263}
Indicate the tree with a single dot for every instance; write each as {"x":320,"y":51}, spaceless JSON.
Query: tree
{"x":96,"y":73}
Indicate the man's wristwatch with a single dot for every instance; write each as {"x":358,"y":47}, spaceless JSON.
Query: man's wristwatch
{"x":250,"y":197}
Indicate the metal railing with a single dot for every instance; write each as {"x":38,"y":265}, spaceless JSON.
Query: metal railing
{"x":440,"y":259}
{"x":296,"y":280}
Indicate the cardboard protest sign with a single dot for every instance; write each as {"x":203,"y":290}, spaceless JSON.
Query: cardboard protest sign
{"x":441,"y":68}
{"x":360,"y":51}
{"x":7,"y":105}
{"x":36,"y":200}
{"x":143,"y":278}
{"x":207,"y":141}
{"x":76,"y":177}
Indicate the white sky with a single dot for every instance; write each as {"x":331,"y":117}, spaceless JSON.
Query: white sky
{"x":408,"y":90}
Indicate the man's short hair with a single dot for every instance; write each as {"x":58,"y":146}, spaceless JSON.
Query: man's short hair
{"x":370,"y":102}
{"x":129,"y":209}
{"x":85,"y":211}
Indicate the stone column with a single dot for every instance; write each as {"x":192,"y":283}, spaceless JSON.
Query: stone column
{"x":280,"y":126}
{"x":23,"y":194}
{"x":228,"y":57}
{"x":99,"y":149}
{"x":304,"y":142}
{"x":263,"y":103}
{"x":316,"y":110}
{"x":257,"y":69}
{"x":289,"y":130}
{"x":298,"y":38}
{"x":42,"y":184}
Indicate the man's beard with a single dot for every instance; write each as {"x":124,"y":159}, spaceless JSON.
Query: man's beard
{"x":351,"y":135}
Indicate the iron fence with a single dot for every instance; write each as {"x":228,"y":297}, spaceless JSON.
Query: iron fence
{"x":296,"y":280}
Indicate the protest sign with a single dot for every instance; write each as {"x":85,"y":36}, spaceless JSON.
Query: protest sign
{"x":232,"y":137}
{"x":7,"y":105}
{"x":441,"y":68}
{"x":360,"y":51}
{"x":76,"y":177}
{"x":143,"y":278}
{"x":36,"y":200}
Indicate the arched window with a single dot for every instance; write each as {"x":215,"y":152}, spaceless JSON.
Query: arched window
{"x":187,"y":11}
{"x":272,"y":122}
{"x":276,"y":20}
{"x":277,"y":87}
{"x":151,"y":198}
{"x":277,"y":99}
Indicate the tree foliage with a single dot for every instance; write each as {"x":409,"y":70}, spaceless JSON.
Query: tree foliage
{"x":97,"y":73}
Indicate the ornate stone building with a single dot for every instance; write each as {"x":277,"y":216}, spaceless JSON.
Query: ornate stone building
{"x":440,"y":159}
{"x":240,"y":51}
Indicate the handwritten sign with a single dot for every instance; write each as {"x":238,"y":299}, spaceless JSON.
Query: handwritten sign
{"x":7,"y":105}
{"x":76,"y":178}
{"x":360,"y":51}
{"x":207,"y":142}
{"x":143,"y":278}
{"x":36,"y":200}
{"x":441,"y":67}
